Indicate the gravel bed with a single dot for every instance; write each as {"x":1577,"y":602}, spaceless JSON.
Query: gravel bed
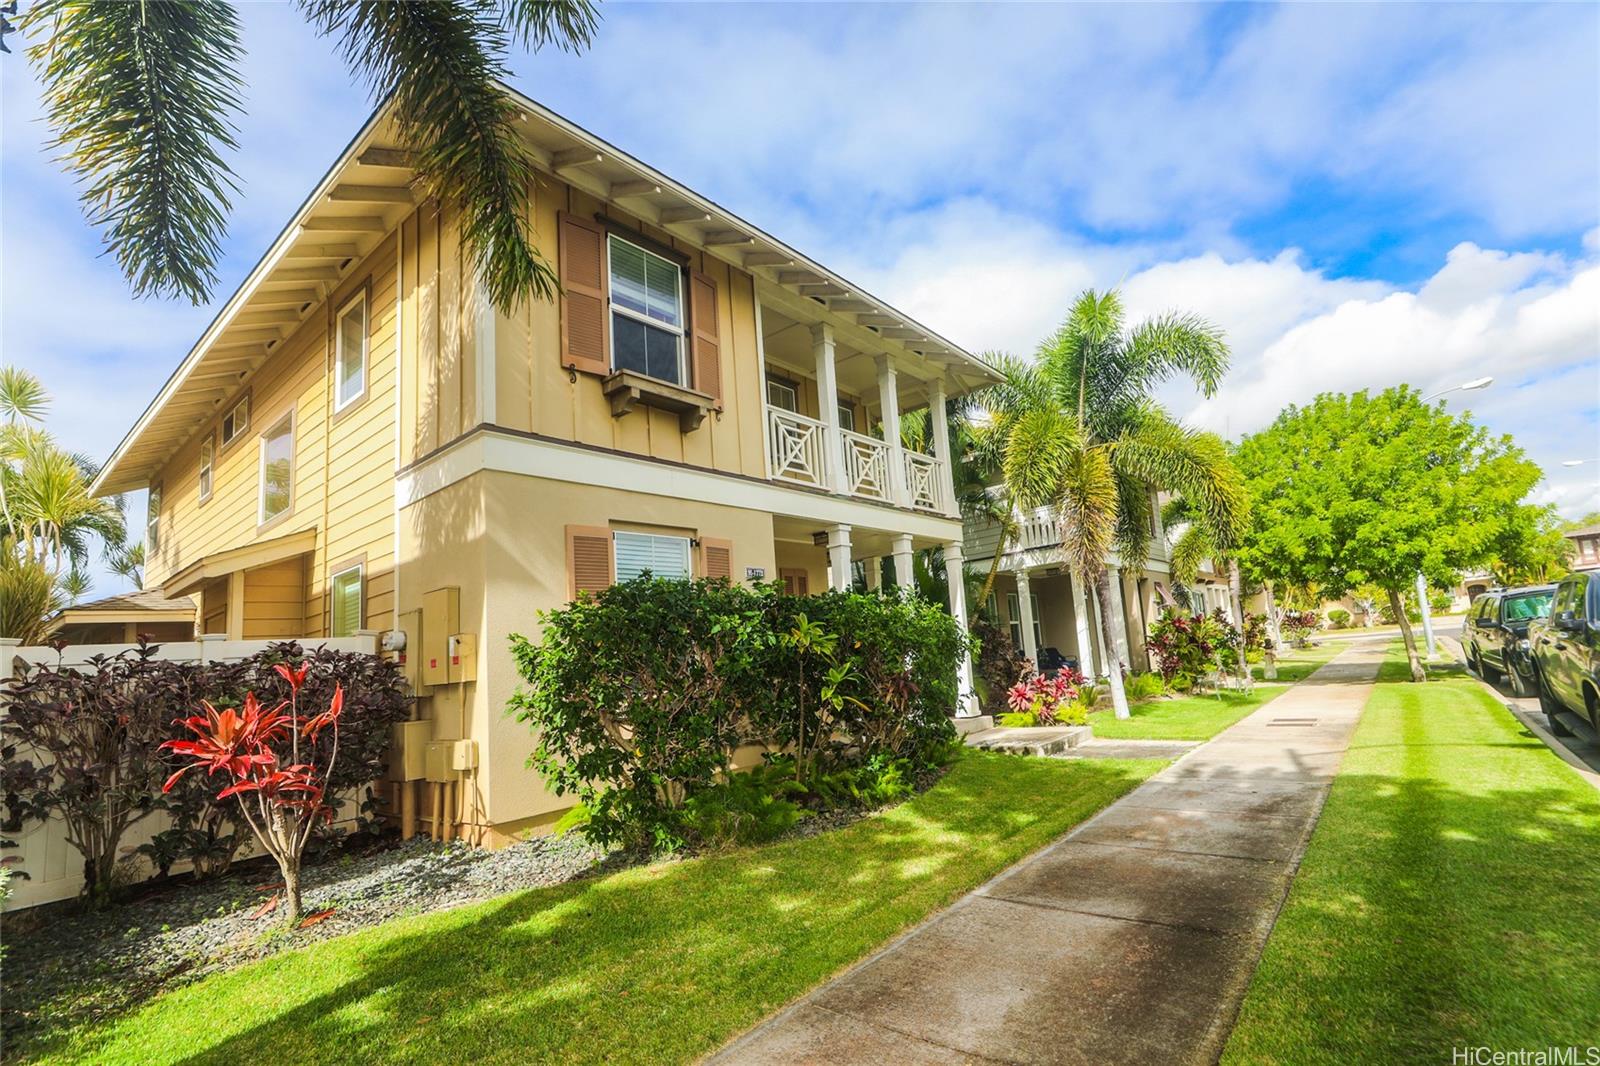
{"x":82,"y":966}
{"x":79,"y":967}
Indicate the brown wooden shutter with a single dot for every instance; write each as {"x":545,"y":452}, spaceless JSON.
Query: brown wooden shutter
{"x":590,"y":566}
{"x":716,"y":558}
{"x":705,"y":335}
{"x":795,"y":582}
{"x":585,"y":320}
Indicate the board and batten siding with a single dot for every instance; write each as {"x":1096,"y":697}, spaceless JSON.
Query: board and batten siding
{"x":343,"y":483}
{"x":535,"y":393}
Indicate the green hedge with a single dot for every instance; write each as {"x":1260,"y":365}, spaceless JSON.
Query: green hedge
{"x":640,"y":695}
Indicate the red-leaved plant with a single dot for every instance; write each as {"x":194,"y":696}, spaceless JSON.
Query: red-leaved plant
{"x":282,"y":798}
{"x":1042,"y":695}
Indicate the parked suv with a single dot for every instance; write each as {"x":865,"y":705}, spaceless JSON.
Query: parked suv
{"x":1566,"y":652}
{"x":1494,"y":634}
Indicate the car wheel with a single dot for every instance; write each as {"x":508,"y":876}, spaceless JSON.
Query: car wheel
{"x":1550,"y":705}
{"x":1519,"y":684}
{"x":1474,"y":665}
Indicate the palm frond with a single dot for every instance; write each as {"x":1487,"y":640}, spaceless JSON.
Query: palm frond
{"x":442,"y":63}
{"x":1133,"y":522}
{"x":1190,"y":551}
{"x":1040,"y":451}
{"x":568,"y":25}
{"x":22,"y":396}
{"x":140,"y":97}
{"x":1168,"y":456}
{"x":1087,"y":505}
{"x":1176,"y":343}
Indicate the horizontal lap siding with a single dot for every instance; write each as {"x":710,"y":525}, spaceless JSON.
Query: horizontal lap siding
{"x":343,"y":475}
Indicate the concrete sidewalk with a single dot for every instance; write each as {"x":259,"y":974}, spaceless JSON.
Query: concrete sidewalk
{"x":1131,"y":939}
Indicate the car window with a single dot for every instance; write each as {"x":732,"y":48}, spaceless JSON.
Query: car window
{"x":1564,"y":600}
{"x":1528,"y":605}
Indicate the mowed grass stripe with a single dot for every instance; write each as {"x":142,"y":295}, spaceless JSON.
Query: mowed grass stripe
{"x":1447,"y":898}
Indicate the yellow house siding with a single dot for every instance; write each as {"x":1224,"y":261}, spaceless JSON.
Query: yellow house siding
{"x":343,"y":482}
{"x":535,"y":393}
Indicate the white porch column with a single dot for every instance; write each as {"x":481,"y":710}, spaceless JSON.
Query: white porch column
{"x":839,"y":556}
{"x":1084,"y":626}
{"x":905,"y":577}
{"x":1030,"y":646}
{"x":889,"y":404}
{"x":828,"y":405}
{"x":954,"y":572}
{"x":940,"y":427}
{"x":236,"y":605}
{"x":874,"y":573}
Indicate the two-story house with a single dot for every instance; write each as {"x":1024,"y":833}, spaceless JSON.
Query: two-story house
{"x":360,"y":441}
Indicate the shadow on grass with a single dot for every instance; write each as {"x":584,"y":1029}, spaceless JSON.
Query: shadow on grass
{"x":1446,"y":898}
{"x":658,"y":963}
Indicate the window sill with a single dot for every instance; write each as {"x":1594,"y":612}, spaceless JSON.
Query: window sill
{"x":628,"y":389}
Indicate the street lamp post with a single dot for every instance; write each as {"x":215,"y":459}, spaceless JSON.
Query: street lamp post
{"x":1422,"y":582}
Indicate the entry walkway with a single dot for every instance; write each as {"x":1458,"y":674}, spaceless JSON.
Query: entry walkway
{"x":1129,"y":940}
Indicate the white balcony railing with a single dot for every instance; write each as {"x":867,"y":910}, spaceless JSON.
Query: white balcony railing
{"x":797,"y":448}
{"x":925,"y":482}
{"x":799,"y":452}
{"x":866,"y":466}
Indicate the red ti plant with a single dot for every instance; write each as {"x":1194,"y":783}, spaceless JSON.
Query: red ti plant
{"x":281,"y":796}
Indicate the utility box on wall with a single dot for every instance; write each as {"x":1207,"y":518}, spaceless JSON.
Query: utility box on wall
{"x":408,"y":750}
{"x":445,"y":759}
{"x":441,"y":618}
{"x":462,"y":649}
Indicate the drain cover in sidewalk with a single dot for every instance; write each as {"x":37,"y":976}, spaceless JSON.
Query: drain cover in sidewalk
{"x":1293,"y":721}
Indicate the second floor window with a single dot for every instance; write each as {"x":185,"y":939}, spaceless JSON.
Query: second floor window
{"x":350,"y":363}
{"x":646,"y":312}
{"x":277,"y":469}
{"x":152,"y":521}
{"x":207,"y":460}
{"x":236,"y":421}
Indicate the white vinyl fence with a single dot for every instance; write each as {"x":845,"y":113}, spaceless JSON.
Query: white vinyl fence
{"x":54,"y":867}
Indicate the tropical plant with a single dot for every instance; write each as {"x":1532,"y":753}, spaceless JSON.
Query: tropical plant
{"x":1041,"y":696}
{"x":142,"y":99}
{"x":1338,"y":618}
{"x":996,"y":662}
{"x":1187,"y":647}
{"x":1357,"y":489}
{"x":1202,"y":541}
{"x":1146,"y":686}
{"x":1077,"y":429}
{"x":1299,"y":625}
{"x":280,"y":788}
{"x":96,"y":733}
{"x":29,"y":596}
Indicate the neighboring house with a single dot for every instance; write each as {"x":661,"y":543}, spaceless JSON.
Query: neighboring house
{"x":123,"y":619}
{"x":1047,"y":607}
{"x":1585,"y":547}
{"x":360,"y":442}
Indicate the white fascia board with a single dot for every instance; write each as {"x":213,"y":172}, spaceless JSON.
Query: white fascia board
{"x":489,"y":450}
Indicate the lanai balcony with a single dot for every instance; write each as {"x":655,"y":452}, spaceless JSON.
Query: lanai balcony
{"x":826,"y":446}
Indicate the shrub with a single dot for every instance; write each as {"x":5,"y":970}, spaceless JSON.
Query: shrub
{"x":1298,"y":626}
{"x":1146,"y":686}
{"x":1339,"y":618}
{"x":1043,"y":696}
{"x":102,"y":728}
{"x":1185,"y":647}
{"x":272,"y":764}
{"x":901,"y":690}
{"x":996,"y":662}
{"x":747,"y":808}
{"x":96,"y":732}
{"x":640,"y":695}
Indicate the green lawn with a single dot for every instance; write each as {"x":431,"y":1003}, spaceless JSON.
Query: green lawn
{"x":1203,"y":717}
{"x":655,"y":964}
{"x":1447,"y":898}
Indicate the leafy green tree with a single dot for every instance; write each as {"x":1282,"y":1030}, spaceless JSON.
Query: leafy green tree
{"x":1358,"y":489}
{"x":1535,"y":549}
{"x":142,"y":99}
{"x":1077,"y":429}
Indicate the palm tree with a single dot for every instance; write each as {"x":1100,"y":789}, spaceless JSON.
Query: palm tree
{"x":142,"y":97}
{"x":1076,"y":429}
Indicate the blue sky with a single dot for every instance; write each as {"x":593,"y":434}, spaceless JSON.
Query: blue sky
{"x":1359,"y":194}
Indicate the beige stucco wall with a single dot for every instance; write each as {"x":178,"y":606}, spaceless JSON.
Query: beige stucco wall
{"x":502,"y":539}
